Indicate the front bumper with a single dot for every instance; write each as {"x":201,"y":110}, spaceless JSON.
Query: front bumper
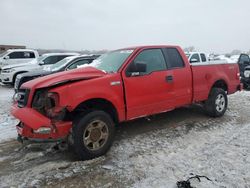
{"x":31,"y":121}
{"x":6,"y":78}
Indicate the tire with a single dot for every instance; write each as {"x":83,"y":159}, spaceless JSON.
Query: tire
{"x":93,"y":134}
{"x":216,"y":105}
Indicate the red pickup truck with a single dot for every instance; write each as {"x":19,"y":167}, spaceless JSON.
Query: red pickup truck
{"x":83,"y":106}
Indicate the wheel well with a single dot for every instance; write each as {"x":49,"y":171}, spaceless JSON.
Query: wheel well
{"x":220,"y":84}
{"x":15,"y":75}
{"x":97,"y":104}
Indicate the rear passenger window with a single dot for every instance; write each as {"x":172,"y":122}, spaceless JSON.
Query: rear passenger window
{"x":29,"y":55}
{"x":203,"y":58}
{"x":173,"y":58}
{"x":153,"y":58}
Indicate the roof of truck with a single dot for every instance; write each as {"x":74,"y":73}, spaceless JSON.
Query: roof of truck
{"x":21,"y":50}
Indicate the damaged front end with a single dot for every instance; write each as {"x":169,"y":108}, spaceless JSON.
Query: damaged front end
{"x":46,"y":120}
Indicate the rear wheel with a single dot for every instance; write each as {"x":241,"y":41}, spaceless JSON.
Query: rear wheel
{"x":93,"y":134}
{"x":216,"y":105}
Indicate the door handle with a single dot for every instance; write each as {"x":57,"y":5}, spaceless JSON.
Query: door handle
{"x":169,"y":79}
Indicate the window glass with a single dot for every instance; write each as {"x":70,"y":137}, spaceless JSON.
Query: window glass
{"x":112,"y":61}
{"x":173,"y":58}
{"x":50,"y":60}
{"x":16,"y":55}
{"x":29,"y":55}
{"x":59,"y":58}
{"x":78,"y":63}
{"x":203,"y":58}
{"x":195,"y":56}
{"x":244,"y":58}
{"x":153,"y":58}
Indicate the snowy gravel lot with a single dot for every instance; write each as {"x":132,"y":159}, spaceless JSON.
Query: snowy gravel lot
{"x":146,"y":153}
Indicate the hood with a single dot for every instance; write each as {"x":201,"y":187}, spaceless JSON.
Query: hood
{"x":36,"y":73}
{"x":19,"y":65}
{"x":64,"y":77}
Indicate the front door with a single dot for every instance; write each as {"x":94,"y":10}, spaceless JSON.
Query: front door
{"x":150,"y":91}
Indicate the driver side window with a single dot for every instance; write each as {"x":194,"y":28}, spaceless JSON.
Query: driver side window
{"x":151,"y":59}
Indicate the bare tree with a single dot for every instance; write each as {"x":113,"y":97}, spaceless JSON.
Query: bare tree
{"x":189,"y":49}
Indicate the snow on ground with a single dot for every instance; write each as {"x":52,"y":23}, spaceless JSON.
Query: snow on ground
{"x":7,"y":122}
{"x":155,"y":153}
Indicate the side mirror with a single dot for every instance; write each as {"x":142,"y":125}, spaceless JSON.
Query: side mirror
{"x":6,"y":57}
{"x":136,"y":69}
{"x":194,"y":60}
{"x":40,"y":63}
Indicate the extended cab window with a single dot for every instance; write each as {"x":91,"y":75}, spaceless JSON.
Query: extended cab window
{"x":173,"y":58}
{"x":203,"y":58}
{"x":151,"y":59}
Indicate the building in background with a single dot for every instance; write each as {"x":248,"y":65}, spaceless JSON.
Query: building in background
{"x":7,"y":47}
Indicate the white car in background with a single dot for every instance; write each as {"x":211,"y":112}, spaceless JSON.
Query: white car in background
{"x":9,"y":73}
{"x":17,"y":56}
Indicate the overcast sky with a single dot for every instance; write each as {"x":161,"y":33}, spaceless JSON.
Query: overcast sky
{"x":209,"y":25}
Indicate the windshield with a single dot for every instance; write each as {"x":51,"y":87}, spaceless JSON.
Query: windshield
{"x":60,"y":64}
{"x":41,"y":58}
{"x":4,"y":53}
{"x":112,"y":61}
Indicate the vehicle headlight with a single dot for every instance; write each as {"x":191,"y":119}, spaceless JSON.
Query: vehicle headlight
{"x":47,"y":103}
{"x":8,"y":70}
{"x":247,"y":74}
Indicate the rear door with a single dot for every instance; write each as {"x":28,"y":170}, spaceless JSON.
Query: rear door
{"x":182,"y":76}
{"x":151,"y":91}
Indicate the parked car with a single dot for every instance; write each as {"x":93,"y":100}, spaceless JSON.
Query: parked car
{"x":67,"y":63}
{"x":246,"y":78}
{"x":82,"y":106}
{"x":17,"y":56}
{"x":9,"y":73}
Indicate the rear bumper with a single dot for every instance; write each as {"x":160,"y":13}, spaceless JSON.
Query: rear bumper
{"x":31,"y":122}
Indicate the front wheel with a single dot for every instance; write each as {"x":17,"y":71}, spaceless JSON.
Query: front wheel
{"x":93,"y":134}
{"x":216,"y":105}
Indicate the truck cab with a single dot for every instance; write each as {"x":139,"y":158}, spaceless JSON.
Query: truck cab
{"x":17,"y":56}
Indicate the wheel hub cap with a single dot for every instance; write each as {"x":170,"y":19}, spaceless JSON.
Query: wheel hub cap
{"x":220,"y":103}
{"x":95,"y":135}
